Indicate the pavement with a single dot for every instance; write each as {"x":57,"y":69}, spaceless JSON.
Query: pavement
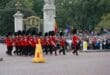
{"x":96,"y":50}
{"x":91,"y":63}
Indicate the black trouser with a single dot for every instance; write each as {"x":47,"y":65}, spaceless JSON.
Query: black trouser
{"x":9,"y":50}
{"x":20,"y":52}
{"x":29,"y":50}
{"x":76,"y":49}
{"x":32,"y":51}
{"x":50,"y":49}
{"x":46,"y":49}
{"x":62,"y":50}
{"x":26,"y":50}
{"x":16,"y":50}
{"x":54,"y":49}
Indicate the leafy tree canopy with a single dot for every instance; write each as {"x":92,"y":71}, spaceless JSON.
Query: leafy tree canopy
{"x":105,"y":22}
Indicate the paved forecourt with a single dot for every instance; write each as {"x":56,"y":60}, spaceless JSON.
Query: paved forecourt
{"x":93,"y":63}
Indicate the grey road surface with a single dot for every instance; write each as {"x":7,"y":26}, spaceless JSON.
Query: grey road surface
{"x":93,"y":63}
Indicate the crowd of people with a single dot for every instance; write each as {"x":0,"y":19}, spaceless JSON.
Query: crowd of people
{"x":96,"y":42}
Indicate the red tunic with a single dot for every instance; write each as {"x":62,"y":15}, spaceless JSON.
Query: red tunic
{"x":52,"y":41}
{"x":32,"y":42}
{"x":75,"y":40}
{"x":62,"y":41}
{"x":9,"y":41}
{"x":24,"y":41}
{"x":44,"y":41}
{"x":16,"y":41}
{"x":47,"y":39}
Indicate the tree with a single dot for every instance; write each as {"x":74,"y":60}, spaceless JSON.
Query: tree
{"x":38,"y":7}
{"x":104,"y":23}
{"x":3,"y":3}
{"x":6,"y":15}
{"x":6,"y":22}
{"x":85,"y":14}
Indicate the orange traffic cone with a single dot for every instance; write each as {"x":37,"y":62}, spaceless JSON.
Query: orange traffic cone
{"x":38,"y":58}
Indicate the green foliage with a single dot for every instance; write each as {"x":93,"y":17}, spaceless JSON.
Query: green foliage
{"x":6,"y":21}
{"x":3,"y":3}
{"x":28,"y":3}
{"x":105,"y":22}
{"x":83,"y":14}
{"x":25,"y":9}
{"x":6,"y":15}
{"x":38,"y":7}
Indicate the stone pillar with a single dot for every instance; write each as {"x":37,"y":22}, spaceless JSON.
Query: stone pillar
{"x":49,"y":14}
{"x":18,"y":21}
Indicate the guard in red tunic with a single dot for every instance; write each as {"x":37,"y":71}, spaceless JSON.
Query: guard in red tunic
{"x":24,"y":44}
{"x":49,"y":39}
{"x":54,"y":42}
{"x":62,"y":45}
{"x":19,"y":52}
{"x":46,"y":43}
{"x":75,"y":42}
{"x":9,"y":43}
{"x":32,"y":42}
{"x":16,"y":43}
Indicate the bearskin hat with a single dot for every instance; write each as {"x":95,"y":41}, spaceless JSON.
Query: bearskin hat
{"x":74,"y":31}
{"x":61,"y":34}
{"x":9,"y":34}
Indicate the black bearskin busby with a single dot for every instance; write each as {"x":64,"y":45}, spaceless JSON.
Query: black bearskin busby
{"x":74,"y":31}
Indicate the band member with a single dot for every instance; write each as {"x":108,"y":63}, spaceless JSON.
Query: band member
{"x":62,"y":41}
{"x":16,"y":43}
{"x":32,"y":42}
{"x":49,"y":41}
{"x":19,"y":43}
{"x":62,"y":44}
{"x":46,"y":43}
{"x":9,"y":43}
{"x":53,"y":43}
{"x":75,"y":42}
{"x":26,"y":45}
